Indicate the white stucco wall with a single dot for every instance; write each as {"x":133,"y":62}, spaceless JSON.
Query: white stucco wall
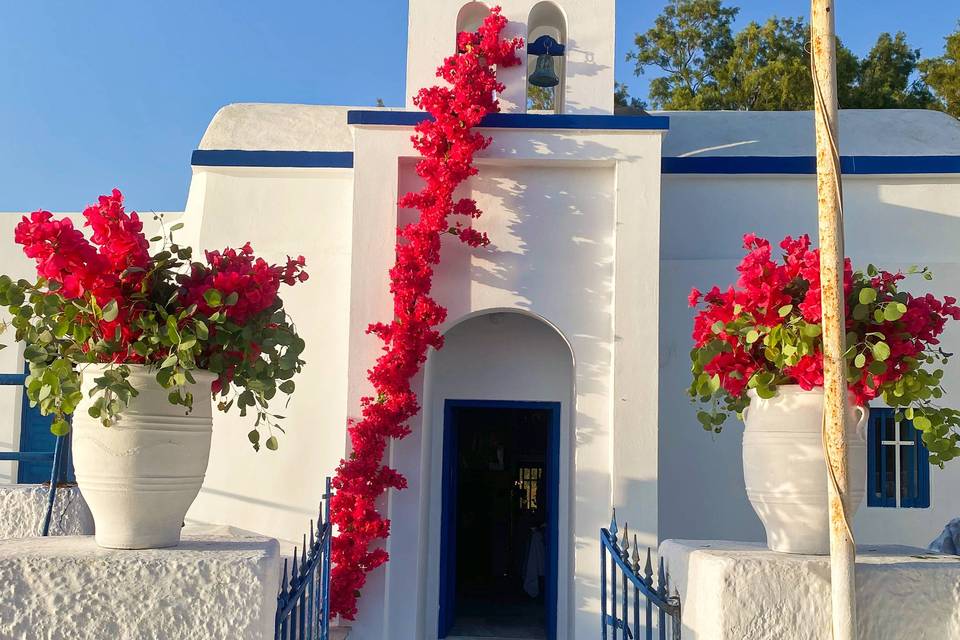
{"x":282,"y":211}
{"x":891,"y":221}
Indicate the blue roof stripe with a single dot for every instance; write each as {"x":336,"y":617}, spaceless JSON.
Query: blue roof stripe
{"x":739,"y":165}
{"x":807,"y":165}
{"x":237,"y":158}
{"x":521,"y":121}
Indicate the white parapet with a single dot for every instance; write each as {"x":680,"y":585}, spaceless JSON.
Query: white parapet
{"x":742,"y":591}
{"x":211,"y":587}
{"x":23,"y":506}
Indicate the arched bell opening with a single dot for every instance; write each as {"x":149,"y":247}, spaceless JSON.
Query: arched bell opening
{"x":546,"y":62}
{"x":470,"y":18}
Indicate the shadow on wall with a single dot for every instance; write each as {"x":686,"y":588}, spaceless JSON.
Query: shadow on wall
{"x":587,"y":592}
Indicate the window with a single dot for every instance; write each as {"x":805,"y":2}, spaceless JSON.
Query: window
{"x":529,"y":485}
{"x":898,"y":471}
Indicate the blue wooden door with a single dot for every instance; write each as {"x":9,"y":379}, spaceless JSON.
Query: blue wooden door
{"x":448,"y":532}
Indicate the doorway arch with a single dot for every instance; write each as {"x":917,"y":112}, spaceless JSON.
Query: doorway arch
{"x":515,"y":370}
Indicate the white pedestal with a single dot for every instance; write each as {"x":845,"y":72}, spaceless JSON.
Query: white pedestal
{"x":742,"y":591}
{"x":209,"y":588}
{"x":23,"y":506}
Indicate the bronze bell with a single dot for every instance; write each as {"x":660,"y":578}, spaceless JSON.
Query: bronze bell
{"x":544,"y":75}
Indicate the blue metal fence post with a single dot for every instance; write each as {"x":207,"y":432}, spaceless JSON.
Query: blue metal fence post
{"x":57,"y":474}
{"x":325,"y":573}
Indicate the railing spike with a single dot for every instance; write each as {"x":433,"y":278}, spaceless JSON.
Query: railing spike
{"x":312,"y":539}
{"x":303,"y":555}
{"x":283,"y":585}
{"x":648,"y":569}
{"x":626,"y":540}
{"x":661,"y":579}
{"x":293,"y":570}
{"x":636,"y":556}
{"x":613,"y":525}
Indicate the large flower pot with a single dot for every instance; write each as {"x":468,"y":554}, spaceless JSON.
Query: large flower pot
{"x":140,"y":475}
{"x":784,"y":469}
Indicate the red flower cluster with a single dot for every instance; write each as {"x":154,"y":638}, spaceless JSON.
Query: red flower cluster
{"x":772,"y":295}
{"x":111,"y":266}
{"x":447,"y":145}
{"x":255,"y":281}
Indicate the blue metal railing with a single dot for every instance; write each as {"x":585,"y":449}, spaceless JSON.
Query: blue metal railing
{"x":57,"y":457}
{"x":303,"y":604}
{"x":624,"y":566}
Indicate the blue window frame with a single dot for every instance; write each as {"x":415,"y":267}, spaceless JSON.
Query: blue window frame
{"x":898,"y":467}
{"x":35,"y":452}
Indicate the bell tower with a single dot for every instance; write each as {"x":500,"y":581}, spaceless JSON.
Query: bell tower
{"x":569,"y":51}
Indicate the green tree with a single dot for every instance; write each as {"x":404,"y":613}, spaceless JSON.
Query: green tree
{"x":887,"y":77}
{"x":687,"y":43}
{"x":622,"y":100}
{"x":767,"y":66}
{"x":942,"y":74}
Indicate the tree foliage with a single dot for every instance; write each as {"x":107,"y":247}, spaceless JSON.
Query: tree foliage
{"x":942,"y":74}
{"x":704,"y":64}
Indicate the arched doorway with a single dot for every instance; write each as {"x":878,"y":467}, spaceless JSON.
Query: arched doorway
{"x":502,"y":391}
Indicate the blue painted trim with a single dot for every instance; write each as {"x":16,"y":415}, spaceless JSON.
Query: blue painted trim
{"x":807,"y":165}
{"x":27,"y":457}
{"x":12,"y":379}
{"x":521,"y":121}
{"x":237,"y":158}
{"x":545,"y":45}
{"x":449,"y":506}
{"x":743,"y":165}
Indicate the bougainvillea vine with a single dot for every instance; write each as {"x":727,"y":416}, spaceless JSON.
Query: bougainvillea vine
{"x":447,"y":144}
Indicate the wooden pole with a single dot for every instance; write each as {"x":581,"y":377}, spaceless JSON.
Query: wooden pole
{"x":830,"y":201}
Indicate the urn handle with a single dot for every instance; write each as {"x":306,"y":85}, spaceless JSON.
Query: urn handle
{"x":863,"y":414}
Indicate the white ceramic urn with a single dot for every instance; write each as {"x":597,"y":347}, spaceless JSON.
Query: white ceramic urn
{"x":784,"y":469}
{"x":140,"y":475}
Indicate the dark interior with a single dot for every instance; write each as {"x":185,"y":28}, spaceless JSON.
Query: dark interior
{"x":501,"y":512}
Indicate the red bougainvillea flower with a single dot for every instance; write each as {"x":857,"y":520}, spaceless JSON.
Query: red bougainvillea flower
{"x":765,"y":332}
{"x":447,"y":144}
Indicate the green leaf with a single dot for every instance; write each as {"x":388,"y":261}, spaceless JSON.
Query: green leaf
{"x":110,"y":311}
{"x":860,"y":312}
{"x":254,"y":437}
{"x":213,"y":297}
{"x":288,"y":386}
{"x":177,"y":226}
{"x":272,"y":443}
{"x":171,"y":360}
{"x":922,"y":423}
{"x":752,"y":336}
{"x":859,"y":361}
{"x":232,"y":299}
{"x":785,"y":310}
{"x":868,"y":295}
{"x":892,"y":312}
{"x":877,"y":368}
{"x":203,"y":333}
{"x":59,"y":427}
{"x":881,"y":351}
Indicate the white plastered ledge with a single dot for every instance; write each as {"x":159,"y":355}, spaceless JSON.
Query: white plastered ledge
{"x":211,"y":587}
{"x":23,"y":506}
{"x":742,"y":591}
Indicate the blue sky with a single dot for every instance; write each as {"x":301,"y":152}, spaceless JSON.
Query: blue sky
{"x":99,"y":94}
